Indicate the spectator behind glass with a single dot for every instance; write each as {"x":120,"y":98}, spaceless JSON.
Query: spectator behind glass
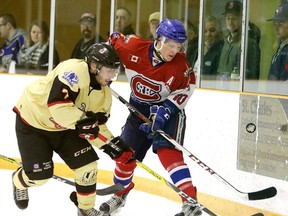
{"x":14,"y":39}
{"x":123,"y":21}
{"x":212,"y":48}
{"x":230,"y":55}
{"x":279,"y":64}
{"x":153,"y":21}
{"x":192,"y":38}
{"x":88,"y":30}
{"x":34,"y":54}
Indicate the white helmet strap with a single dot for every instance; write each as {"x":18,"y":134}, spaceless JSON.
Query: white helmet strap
{"x":157,"y":50}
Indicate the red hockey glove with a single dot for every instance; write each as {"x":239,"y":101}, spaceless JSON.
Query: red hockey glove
{"x":118,"y":150}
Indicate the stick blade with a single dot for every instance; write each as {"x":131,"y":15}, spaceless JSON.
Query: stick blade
{"x":263,"y":194}
{"x":110,"y":190}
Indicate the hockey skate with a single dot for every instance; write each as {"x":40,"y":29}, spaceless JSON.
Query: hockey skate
{"x":20,"y":196}
{"x":190,"y":209}
{"x":88,"y":212}
{"x":116,"y":201}
{"x":91,"y":212}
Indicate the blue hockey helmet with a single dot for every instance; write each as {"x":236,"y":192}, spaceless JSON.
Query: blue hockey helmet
{"x":171,"y":29}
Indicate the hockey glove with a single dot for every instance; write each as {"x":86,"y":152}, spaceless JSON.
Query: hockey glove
{"x":87,"y":128}
{"x":159,"y":115}
{"x":118,"y":150}
{"x":147,"y":129}
{"x":99,"y":116}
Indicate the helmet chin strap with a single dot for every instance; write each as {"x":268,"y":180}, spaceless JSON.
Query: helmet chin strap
{"x":98,"y":68}
{"x":93,"y":82}
{"x":157,"y":51}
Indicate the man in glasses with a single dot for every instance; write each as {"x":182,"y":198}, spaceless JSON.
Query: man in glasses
{"x":88,"y":30}
{"x":14,"y":38}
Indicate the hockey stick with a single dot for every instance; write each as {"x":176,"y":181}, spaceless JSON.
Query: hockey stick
{"x":163,"y":180}
{"x":102,"y":192}
{"x":173,"y":187}
{"x":257,"y":195}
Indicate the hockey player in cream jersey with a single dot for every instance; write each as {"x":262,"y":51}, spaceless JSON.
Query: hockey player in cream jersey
{"x":64,"y":112}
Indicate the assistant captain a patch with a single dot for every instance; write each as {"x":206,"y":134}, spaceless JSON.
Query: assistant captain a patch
{"x":134,"y":58}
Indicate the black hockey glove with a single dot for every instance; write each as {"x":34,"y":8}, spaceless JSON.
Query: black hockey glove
{"x":118,"y":150}
{"x":87,"y":128}
{"x":99,"y":116}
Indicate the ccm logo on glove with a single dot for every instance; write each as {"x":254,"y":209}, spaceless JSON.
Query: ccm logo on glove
{"x":118,"y":150}
{"x":87,"y":128}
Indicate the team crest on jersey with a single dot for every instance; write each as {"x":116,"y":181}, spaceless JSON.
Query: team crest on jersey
{"x":71,"y":78}
{"x":145,"y":89}
{"x":82,"y":107}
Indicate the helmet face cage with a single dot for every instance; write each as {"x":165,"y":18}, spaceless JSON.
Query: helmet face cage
{"x":163,"y":40}
{"x":171,"y":29}
{"x":103,"y":54}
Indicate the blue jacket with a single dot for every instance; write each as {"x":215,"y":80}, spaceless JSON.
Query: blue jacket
{"x":9,"y":51}
{"x":279,"y":63}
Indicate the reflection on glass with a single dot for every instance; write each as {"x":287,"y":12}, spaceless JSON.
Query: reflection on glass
{"x":230,"y":55}
{"x":78,"y":27}
{"x":271,"y":42}
{"x":228,"y":70}
{"x":261,"y":33}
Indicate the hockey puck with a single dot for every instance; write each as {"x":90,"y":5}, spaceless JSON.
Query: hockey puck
{"x":250,"y":128}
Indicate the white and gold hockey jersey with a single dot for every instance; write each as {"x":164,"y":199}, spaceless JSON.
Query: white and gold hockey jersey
{"x":62,"y":97}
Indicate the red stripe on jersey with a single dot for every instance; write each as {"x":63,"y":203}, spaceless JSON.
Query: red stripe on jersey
{"x":60,"y":102}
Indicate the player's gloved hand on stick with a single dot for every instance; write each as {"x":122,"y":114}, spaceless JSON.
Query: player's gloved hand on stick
{"x":159,"y":115}
{"x":87,"y":128}
{"x":118,"y":150}
{"x":99,"y":116}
